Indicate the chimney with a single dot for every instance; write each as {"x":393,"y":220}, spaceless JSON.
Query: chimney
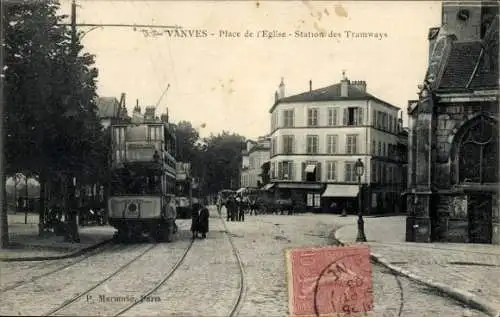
{"x":310,"y":85}
{"x":282,"y":89}
{"x":359,"y":84}
{"x":344,"y":85}
{"x":136,"y":114}
{"x":137,"y":109}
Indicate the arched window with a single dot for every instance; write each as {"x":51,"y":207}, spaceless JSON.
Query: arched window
{"x":477,"y":152}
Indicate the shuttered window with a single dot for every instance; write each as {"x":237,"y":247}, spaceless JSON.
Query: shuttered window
{"x":312,"y":117}
{"x":331,"y":170}
{"x":331,"y":144}
{"x":288,"y":141}
{"x":352,"y":144}
{"x":312,"y":144}
{"x":288,"y":170}
{"x":349,"y":175}
{"x":288,"y":118}
{"x":332,"y":116}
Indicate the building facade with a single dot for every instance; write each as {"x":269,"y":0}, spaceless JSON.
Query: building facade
{"x":453,"y":141}
{"x":316,"y":138}
{"x":253,"y":157}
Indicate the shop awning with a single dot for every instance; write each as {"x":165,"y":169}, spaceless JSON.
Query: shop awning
{"x":310,"y":168}
{"x":301,"y":185}
{"x":341,"y":191}
{"x":268,"y":186}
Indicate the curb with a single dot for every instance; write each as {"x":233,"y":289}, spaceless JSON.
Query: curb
{"x":464,"y":297}
{"x":58,"y":257}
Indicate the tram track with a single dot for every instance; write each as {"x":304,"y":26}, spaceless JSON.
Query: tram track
{"x":80,"y":259}
{"x":119,"y":270}
{"x":160,"y":284}
{"x":66,"y":307}
{"x":242,"y":283}
{"x":235,"y":306}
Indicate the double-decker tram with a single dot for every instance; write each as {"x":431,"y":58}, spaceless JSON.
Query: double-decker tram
{"x":142,"y":181}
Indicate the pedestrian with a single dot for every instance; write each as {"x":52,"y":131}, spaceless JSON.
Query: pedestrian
{"x":195,"y":216}
{"x":173,"y":206}
{"x":230,"y":206}
{"x":203,"y":221}
{"x":219,"y":204}
{"x":199,"y":221}
{"x":241,"y":210}
{"x":168,"y":215}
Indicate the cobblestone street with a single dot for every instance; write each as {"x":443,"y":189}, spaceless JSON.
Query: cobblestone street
{"x":470,"y":268}
{"x":262,"y":240}
{"x":207,"y":282}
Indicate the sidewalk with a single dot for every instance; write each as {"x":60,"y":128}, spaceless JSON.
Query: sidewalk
{"x":27,"y":245}
{"x":467,"y":272}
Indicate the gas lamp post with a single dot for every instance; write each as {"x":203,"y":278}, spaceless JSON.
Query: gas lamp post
{"x":359,"y":170}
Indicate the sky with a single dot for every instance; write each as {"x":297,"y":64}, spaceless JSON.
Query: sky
{"x":228,"y":83}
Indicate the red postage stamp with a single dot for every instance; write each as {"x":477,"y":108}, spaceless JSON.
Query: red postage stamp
{"x":329,"y":281}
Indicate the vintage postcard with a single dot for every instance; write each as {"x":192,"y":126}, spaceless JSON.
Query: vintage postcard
{"x":159,"y":157}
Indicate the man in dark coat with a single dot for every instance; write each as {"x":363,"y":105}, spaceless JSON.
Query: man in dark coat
{"x":199,"y":222}
{"x":240,"y":216}
{"x":203,"y":222}
{"x":230,"y":206}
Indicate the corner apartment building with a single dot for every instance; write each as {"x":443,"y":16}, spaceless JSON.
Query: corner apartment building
{"x":316,"y":138}
{"x":254,"y":156}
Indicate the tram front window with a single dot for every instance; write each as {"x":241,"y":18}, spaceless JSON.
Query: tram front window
{"x":126,"y":184}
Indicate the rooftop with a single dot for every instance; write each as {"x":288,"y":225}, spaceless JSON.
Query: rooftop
{"x":108,"y":107}
{"x":471,"y":64}
{"x":332,"y":93}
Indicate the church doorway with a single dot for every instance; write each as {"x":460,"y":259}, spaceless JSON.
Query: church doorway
{"x":475,"y":161}
{"x":479,"y":208}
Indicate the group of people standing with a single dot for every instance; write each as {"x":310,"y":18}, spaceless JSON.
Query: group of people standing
{"x":235,"y":208}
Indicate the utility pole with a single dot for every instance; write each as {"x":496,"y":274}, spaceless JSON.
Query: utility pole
{"x":72,"y":235}
{"x":4,"y":223}
{"x":74,"y":53}
{"x":26,"y":199}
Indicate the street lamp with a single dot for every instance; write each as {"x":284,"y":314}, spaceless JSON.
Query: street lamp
{"x":359,"y":169}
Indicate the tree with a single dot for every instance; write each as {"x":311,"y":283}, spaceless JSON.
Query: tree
{"x":186,"y":137}
{"x":50,"y":95}
{"x":51,"y":118}
{"x":223,"y":159}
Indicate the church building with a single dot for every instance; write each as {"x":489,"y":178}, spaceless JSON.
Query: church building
{"x":452,"y":192}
